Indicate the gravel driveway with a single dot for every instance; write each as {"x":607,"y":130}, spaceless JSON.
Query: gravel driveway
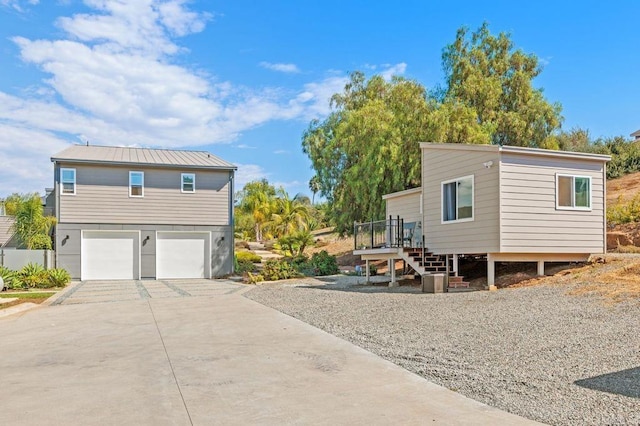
{"x":534,"y":351}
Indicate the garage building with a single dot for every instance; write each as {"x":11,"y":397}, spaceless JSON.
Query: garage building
{"x":135,"y":213}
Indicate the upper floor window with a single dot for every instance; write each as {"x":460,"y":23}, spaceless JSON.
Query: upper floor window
{"x":457,"y":200}
{"x":188,"y":182}
{"x":573,"y":192}
{"x":136,"y":184}
{"x":68,"y":181}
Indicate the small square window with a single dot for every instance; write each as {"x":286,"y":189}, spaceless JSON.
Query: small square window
{"x":573,"y":192}
{"x":188,"y":182}
{"x":457,"y":200}
{"x":68,"y":181}
{"x":136,"y":184}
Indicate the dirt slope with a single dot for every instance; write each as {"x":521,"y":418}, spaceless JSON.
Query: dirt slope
{"x":627,"y":186}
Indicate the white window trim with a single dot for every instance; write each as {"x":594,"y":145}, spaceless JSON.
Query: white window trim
{"x":142,"y":173}
{"x":182,"y":175}
{"x":573,"y":193}
{"x":473,"y":200}
{"x":75,"y":181}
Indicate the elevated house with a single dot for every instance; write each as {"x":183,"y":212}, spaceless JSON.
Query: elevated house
{"x":132,"y":213}
{"x":499,"y":203}
{"x":636,"y":135}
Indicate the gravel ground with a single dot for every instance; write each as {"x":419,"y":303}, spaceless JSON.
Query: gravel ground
{"x":533,"y":351}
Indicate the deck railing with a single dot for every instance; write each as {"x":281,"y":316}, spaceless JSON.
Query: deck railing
{"x":393,"y":232}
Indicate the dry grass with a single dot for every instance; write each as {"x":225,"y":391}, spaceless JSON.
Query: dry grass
{"x":614,"y":279}
{"x":618,"y":285}
{"x":625,"y":187}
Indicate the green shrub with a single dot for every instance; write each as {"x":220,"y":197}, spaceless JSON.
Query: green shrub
{"x":58,"y":277}
{"x":324,"y":264}
{"x":622,"y":212}
{"x":10,"y":278}
{"x":243,"y":266}
{"x":254,"y":278}
{"x":279,"y":269}
{"x":248,"y":256}
{"x":33,"y":275}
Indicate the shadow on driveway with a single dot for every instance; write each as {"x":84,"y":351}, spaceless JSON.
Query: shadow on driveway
{"x":624,"y":382}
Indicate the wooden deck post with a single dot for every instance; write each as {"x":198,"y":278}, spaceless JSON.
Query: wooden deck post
{"x":392,"y":269}
{"x":367,"y":274}
{"x":491,"y":272}
{"x":455,"y":265}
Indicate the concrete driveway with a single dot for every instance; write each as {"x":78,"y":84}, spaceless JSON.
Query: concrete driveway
{"x":197,"y":352}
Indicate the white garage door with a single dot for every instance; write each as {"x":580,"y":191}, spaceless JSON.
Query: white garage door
{"x":183,"y":255}
{"x":110,"y":255}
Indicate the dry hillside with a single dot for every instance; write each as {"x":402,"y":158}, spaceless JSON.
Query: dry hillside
{"x":626,"y":187}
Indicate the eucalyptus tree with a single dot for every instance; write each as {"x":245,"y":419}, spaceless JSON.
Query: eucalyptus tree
{"x":489,"y":93}
{"x":368,"y":145}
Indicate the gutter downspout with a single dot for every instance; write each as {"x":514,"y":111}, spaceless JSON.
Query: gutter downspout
{"x":604,"y":206}
{"x":56,"y":188}
{"x":231,"y":221}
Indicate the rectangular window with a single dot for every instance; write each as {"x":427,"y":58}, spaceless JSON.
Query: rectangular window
{"x":68,"y":181}
{"x":188,"y":182}
{"x":136,"y":184}
{"x":573,"y":192}
{"x":457,"y":200}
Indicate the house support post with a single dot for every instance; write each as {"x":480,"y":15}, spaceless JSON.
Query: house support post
{"x":491,"y":272}
{"x":455,"y":265}
{"x":392,"y":269}
{"x":540,"y":268}
{"x":367,"y":274}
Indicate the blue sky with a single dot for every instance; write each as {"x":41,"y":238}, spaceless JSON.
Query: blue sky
{"x":242,"y":79}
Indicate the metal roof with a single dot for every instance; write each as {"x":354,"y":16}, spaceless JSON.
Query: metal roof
{"x":144,"y":156}
{"x":516,"y":150}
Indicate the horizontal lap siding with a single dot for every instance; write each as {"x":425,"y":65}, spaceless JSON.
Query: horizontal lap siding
{"x":530,"y":222}
{"x":478,"y":236}
{"x":405,"y":206}
{"x":102,"y":196}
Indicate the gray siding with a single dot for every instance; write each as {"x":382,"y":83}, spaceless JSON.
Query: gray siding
{"x":530,"y":222}
{"x":6,"y":222}
{"x":478,"y":236}
{"x":102,"y":196}
{"x":69,"y":258}
{"x":407,"y":206}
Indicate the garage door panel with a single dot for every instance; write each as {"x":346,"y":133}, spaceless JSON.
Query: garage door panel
{"x":109,"y":255}
{"x":182,"y":255}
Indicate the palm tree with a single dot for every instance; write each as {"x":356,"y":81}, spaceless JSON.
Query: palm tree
{"x":289,"y":215}
{"x":256,"y":199}
{"x":31,"y":225}
{"x":314,"y":186}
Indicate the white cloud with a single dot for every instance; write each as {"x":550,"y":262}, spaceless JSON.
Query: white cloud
{"x":281,"y":151}
{"x":391,"y":70}
{"x":245,"y":146}
{"x":247,"y":173}
{"x":286,"y":68}
{"x":20,"y":149}
{"x":314,"y":101}
{"x":111,"y":79}
{"x":18,"y":5}
{"x":287,"y":185}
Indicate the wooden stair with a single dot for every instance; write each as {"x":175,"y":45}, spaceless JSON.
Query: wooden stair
{"x":431,"y":264}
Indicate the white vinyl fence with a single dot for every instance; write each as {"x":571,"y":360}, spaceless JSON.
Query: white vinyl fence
{"x":17,"y":258}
